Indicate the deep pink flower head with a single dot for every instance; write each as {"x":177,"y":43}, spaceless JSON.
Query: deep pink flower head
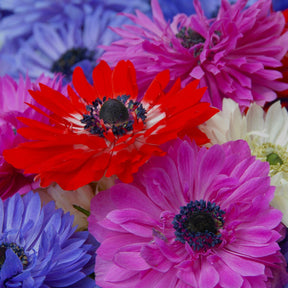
{"x":193,"y":218}
{"x":233,"y":54}
{"x":14,"y":97}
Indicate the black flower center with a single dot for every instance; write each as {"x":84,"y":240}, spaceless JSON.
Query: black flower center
{"x":114,"y":111}
{"x":198,"y":224}
{"x":19,"y":251}
{"x":5,"y":13}
{"x":189,"y":37}
{"x":201,"y":222}
{"x":118,"y":115}
{"x":274,"y":159}
{"x":70,"y":58}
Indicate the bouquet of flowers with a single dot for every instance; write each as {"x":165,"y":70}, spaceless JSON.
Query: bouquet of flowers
{"x":143,"y":144}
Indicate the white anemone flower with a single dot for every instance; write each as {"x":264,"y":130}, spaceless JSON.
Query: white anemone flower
{"x":267,"y":136}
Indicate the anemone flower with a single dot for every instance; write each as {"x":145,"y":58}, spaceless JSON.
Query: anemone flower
{"x":59,"y":48}
{"x":76,"y":202}
{"x":195,"y":217}
{"x":267,"y":136}
{"x":105,"y":129}
{"x":55,"y":36}
{"x":234,"y":54}
{"x":40,"y":248}
{"x":21,"y":15}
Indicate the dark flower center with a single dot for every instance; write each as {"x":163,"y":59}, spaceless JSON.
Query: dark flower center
{"x":189,"y":37}
{"x":118,"y":115}
{"x":274,"y":159}
{"x":19,"y":251}
{"x":114,"y":111}
{"x":201,"y":222}
{"x":198,"y":224}
{"x":70,"y":58}
{"x":5,"y":13}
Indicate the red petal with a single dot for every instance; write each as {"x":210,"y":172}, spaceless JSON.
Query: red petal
{"x":83,"y":87}
{"x":102,"y":80}
{"x":24,"y":157}
{"x":194,"y":134}
{"x":188,"y":96}
{"x":79,"y":105}
{"x":40,"y":131}
{"x":53,"y":100}
{"x":124,"y":80}
{"x":155,"y":90}
{"x":92,"y":169}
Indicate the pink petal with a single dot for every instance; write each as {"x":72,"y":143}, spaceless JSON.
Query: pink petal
{"x":110,"y":246}
{"x":155,"y":258}
{"x":131,"y":261}
{"x":240,"y":265}
{"x":128,"y":196}
{"x":209,"y":277}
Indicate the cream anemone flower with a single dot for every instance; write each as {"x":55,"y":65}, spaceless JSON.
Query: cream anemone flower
{"x":76,"y":202}
{"x":267,"y":136}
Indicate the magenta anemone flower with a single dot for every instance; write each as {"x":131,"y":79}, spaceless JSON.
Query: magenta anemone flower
{"x":192,"y":218}
{"x":234,"y":54}
{"x":14,"y":97}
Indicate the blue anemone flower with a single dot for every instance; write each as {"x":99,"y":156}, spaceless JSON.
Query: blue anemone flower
{"x":40,"y":248}
{"x":61,"y":47}
{"x":20,"y":21}
{"x":19,"y":16}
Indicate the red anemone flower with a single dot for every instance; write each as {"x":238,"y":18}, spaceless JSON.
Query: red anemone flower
{"x":105,"y":129}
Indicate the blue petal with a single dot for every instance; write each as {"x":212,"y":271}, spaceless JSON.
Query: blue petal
{"x":12,"y":265}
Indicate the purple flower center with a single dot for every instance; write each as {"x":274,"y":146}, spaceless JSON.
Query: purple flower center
{"x":117,"y":114}
{"x":65,"y":63}
{"x":19,"y":251}
{"x":198,"y":224}
{"x":189,"y":37}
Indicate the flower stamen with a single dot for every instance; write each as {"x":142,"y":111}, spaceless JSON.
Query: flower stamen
{"x":118,"y":115}
{"x":65,"y":63}
{"x":275,"y":155}
{"x":19,"y":251}
{"x":198,"y":224}
{"x":189,"y":37}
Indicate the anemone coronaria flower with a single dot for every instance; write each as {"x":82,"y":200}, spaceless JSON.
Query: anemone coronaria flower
{"x":195,"y":217}
{"x":40,"y":248}
{"x":234,"y":54}
{"x":266,"y":133}
{"x":105,"y":129}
